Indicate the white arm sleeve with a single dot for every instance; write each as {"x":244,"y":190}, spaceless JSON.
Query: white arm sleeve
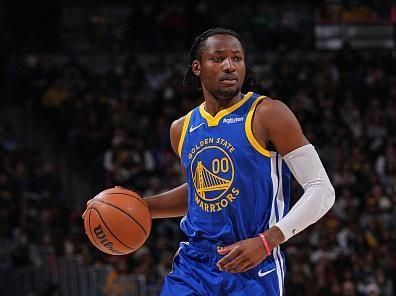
{"x":318,"y":197}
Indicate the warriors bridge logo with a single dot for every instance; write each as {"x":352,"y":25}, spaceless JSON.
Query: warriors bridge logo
{"x":212,"y":172}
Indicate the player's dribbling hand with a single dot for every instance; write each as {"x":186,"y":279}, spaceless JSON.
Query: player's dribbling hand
{"x":88,"y":202}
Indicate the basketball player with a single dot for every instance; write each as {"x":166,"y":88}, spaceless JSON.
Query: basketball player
{"x":238,"y":152}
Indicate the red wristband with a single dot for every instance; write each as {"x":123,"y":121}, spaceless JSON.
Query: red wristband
{"x":265,"y":243}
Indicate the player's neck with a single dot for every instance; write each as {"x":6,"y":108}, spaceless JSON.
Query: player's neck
{"x":214,"y":105}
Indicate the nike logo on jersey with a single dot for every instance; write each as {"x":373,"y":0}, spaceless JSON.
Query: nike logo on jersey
{"x":261,"y":274}
{"x":193,"y":128}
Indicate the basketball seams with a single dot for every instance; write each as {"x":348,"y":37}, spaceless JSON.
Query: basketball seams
{"x":141,"y":200}
{"x":123,"y":193}
{"x":108,"y":228}
{"x":90,"y":230}
{"x":109,"y":204}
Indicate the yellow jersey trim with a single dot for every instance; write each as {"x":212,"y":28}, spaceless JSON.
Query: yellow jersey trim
{"x":214,"y":121}
{"x":249,"y":132}
{"x":183,"y":133}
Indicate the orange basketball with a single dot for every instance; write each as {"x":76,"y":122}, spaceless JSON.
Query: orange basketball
{"x":117,"y":221}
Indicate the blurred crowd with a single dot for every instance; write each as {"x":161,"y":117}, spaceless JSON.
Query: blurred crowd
{"x":166,"y":26}
{"x":33,"y":205}
{"x":354,"y":11}
{"x":169,"y":25}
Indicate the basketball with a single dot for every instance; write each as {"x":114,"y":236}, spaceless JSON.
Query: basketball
{"x":117,"y":221}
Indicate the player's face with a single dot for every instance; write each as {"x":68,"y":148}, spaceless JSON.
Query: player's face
{"x":222,"y":66}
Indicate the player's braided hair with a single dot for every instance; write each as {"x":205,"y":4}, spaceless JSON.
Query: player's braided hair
{"x":190,"y":79}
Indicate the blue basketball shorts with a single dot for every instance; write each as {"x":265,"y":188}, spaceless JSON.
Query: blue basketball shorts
{"x":195,"y":274}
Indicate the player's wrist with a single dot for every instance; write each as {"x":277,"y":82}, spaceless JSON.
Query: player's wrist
{"x":273,"y":237}
{"x":265,"y":244}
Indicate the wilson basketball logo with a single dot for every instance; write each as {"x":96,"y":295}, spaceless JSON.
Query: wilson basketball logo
{"x":100,"y":234}
{"x":212,"y":172}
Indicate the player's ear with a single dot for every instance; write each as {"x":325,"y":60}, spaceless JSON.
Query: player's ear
{"x":196,"y":67}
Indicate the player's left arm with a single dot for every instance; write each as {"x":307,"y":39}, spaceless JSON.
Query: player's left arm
{"x":274,"y":122}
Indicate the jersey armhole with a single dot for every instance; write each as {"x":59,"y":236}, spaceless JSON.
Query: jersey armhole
{"x":249,"y":132}
{"x":183,"y":133}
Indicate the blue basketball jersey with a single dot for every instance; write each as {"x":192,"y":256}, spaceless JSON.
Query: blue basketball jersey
{"x":236,"y":188}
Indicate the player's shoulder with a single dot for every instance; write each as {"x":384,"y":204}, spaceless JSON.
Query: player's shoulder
{"x":176,"y":130}
{"x":177,"y":125}
{"x":271,"y":106}
{"x":272,"y":109}
{"x":271,"y":114}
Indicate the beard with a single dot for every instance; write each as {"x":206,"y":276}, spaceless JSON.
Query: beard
{"x":226,"y":94}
